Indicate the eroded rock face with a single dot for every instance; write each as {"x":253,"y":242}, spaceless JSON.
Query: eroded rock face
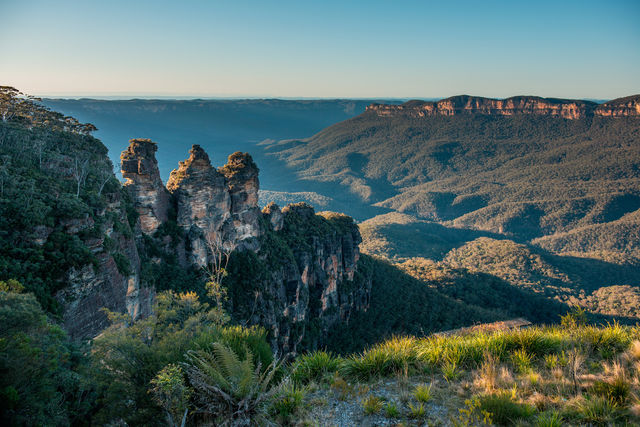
{"x":306,"y":281}
{"x":140,"y":169}
{"x":273,"y":213}
{"x":203,"y":203}
{"x":242,"y":178}
{"x":622,"y":107}
{"x":90,"y":289}
{"x":306,"y":295}
{"x":533,"y":105}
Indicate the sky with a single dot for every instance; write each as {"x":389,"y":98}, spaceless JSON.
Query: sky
{"x":322,"y":49}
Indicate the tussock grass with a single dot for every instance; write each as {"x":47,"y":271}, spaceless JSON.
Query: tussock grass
{"x":468,"y":351}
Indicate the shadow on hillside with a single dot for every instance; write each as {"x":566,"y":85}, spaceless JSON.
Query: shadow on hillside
{"x":427,"y":239}
{"x":401,"y":304}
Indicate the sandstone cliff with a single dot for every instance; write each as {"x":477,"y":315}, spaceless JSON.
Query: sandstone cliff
{"x":92,"y":288}
{"x":306,"y":280}
{"x":464,"y":104}
{"x":291,"y":271}
{"x":140,"y":169}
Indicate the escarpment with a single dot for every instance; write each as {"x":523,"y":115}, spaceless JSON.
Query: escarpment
{"x":531,"y":105}
{"x":291,"y":271}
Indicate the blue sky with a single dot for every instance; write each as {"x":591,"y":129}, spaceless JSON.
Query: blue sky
{"x":403,"y":49}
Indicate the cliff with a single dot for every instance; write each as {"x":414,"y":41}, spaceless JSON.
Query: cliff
{"x":551,"y":107}
{"x":65,"y":228}
{"x":111,"y":282}
{"x":304,"y":279}
{"x":290,"y":270}
{"x":140,"y":169}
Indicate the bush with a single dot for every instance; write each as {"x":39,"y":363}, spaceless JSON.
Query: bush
{"x":391,"y":410}
{"x":287,"y":403}
{"x":372,"y":405}
{"x":314,"y":367}
{"x":504,"y":411}
{"x":228,"y":389}
{"x":422,"y":393}
{"x":417,"y":411}
{"x":598,"y":411}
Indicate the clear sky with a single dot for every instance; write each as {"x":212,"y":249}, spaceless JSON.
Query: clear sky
{"x":392,"y":48}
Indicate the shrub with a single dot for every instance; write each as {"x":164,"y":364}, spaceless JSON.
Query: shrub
{"x":422,"y":393}
{"x":417,"y":411}
{"x":450,"y":371}
{"x":616,"y":390}
{"x":372,"y":405}
{"x":341,"y":387}
{"x":391,"y":410}
{"x":228,"y":389}
{"x":549,"y":419}
{"x":521,"y":360}
{"x":288,"y":402}
{"x":504,"y":410}
{"x":472,"y":414}
{"x":598,"y":410}
{"x":314,"y":366}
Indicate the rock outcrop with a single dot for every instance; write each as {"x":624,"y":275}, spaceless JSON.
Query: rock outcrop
{"x":203,"y":204}
{"x":140,"y":169}
{"x":315,"y":288}
{"x":533,"y":105}
{"x":303,"y":271}
{"x":242,"y":177}
{"x":91,"y":288}
{"x":628,"y":106}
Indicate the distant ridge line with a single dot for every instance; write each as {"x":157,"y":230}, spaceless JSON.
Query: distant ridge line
{"x":572,"y":109}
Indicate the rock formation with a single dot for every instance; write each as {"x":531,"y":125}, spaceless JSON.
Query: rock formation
{"x":621,"y":107}
{"x":305,"y":282}
{"x":203,"y":203}
{"x":304,"y":295}
{"x":242,"y":177}
{"x":104,"y":285}
{"x":464,"y":104}
{"x":140,"y":169}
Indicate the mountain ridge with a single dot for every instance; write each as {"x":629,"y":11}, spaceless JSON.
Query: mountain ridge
{"x":520,"y":104}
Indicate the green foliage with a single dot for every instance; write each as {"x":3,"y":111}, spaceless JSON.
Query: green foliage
{"x":598,"y":411}
{"x":41,"y":373}
{"x":549,"y":419}
{"x":504,"y":411}
{"x":417,"y":411}
{"x":576,"y":317}
{"x":521,"y":360}
{"x":616,"y":390}
{"x":422,"y":393}
{"x":122,"y":263}
{"x":391,"y":410}
{"x":372,"y":405}
{"x":472,"y":414}
{"x":231,"y":390}
{"x":314,"y":366}
{"x":288,"y":403}
{"x":171,"y":393}
{"x":127,"y":357}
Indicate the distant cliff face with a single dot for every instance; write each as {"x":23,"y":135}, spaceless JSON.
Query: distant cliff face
{"x":567,"y":109}
{"x":305,"y":280}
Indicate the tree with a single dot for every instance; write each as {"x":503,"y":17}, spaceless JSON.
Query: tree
{"x":80,"y":170}
{"x":217,"y":271}
{"x":40,"y":381}
{"x":172,"y":394}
